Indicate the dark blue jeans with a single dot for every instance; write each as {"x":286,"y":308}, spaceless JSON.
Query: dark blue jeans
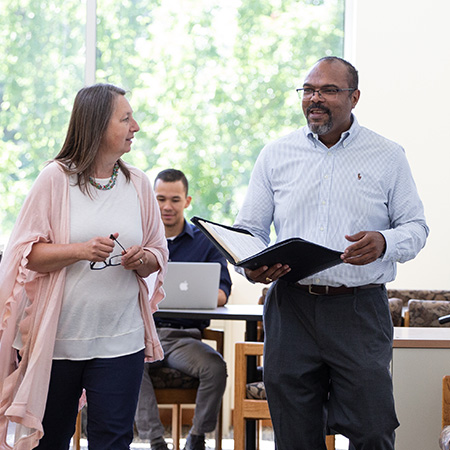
{"x":112,"y":389}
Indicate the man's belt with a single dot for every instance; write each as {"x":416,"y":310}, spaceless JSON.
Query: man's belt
{"x":316,"y":289}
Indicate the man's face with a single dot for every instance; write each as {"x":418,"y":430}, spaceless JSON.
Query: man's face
{"x":172,"y":201}
{"x":329,"y":118}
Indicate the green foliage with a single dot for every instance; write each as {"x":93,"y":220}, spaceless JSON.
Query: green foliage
{"x":41,"y":68}
{"x":211,"y":82}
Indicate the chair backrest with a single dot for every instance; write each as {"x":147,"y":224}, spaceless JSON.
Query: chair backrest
{"x":425,"y":313}
{"x":396,"y":306}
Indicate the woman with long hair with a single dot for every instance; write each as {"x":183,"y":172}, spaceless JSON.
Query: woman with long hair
{"x":75,"y":311}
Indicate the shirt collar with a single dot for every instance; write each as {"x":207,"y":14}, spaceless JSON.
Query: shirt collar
{"x":187,"y":229}
{"x":346,"y":137}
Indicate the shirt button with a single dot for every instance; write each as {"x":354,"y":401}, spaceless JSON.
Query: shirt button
{"x":317,"y":280}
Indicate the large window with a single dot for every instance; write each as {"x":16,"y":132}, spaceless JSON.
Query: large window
{"x":41,"y":67}
{"x":211,"y":82}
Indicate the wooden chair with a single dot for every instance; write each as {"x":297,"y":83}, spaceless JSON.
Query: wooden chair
{"x":444,"y":439}
{"x":172,"y":387}
{"x":77,"y":436}
{"x":179,"y":389}
{"x":246,"y":408}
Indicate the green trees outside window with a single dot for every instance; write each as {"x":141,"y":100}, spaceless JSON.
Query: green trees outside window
{"x":211,"y":81}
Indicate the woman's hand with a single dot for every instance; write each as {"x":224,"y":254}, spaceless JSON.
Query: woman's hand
{"x":45,"y":257}
{"x":97,"y":249}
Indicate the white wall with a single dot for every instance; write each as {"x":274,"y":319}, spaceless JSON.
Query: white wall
{"x":400,"y":48}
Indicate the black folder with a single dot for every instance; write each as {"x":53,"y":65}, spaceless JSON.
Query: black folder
{"x":303,"y":257}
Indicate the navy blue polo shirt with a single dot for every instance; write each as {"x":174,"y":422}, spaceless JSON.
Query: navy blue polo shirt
{"x":193,"y":246}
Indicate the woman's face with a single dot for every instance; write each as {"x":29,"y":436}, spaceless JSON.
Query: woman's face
{"x":120,"y":131}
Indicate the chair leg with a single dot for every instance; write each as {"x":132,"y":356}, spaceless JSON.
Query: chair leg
{"x":219,"y":429}
{"x":77,"y":435}
{"x":238,"y":431}
{"x":331,"y":442}
{"x":176,"y":426}
{"x":258,"y":433}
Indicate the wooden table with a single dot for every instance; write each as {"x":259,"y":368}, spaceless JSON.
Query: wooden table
{"x":421,"y":357}
{"x":250,"y":313}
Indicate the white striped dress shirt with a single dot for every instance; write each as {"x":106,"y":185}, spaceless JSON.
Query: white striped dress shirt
{"x":362,"y":183}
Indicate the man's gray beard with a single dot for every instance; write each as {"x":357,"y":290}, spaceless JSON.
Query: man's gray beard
{"x":321,"y":129}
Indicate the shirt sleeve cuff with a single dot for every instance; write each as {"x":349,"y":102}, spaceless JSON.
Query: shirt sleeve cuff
{"x":241,"y":270}
{"x":389,"y":251}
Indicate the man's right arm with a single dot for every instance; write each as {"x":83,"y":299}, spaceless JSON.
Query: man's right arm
{"x":256,"y":216}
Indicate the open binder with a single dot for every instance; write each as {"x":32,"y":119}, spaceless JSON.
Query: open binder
{"x":242,"y":249}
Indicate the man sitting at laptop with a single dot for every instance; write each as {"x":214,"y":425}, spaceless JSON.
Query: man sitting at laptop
{"x":181,"y":338}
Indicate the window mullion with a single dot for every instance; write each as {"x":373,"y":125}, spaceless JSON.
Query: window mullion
{"x":91,"y":42}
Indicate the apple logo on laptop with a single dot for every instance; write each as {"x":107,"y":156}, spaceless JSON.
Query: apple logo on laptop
{"x":184,"y":286}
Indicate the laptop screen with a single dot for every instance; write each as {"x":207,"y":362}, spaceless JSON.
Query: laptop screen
{"x":189,"y":285}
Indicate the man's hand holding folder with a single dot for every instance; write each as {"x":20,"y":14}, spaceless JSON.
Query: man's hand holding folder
{"x":266,"y":274}
{"x":292,"y":259}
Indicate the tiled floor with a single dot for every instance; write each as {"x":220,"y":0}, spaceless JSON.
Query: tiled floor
{"x":227,"y":443}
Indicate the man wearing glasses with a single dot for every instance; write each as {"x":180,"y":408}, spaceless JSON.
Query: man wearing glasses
{"x":328,"y":337}
{"x":181,"y":338}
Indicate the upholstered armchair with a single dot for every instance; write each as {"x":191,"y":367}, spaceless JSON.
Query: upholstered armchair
{"x":427,"y":294}
{"x":396,"y":306}
{"x":426,"y":313}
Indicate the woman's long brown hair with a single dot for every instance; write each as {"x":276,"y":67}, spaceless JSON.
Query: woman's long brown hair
{"x":91,"y":113}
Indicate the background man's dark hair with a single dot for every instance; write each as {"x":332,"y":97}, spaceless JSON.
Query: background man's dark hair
{"x":353,"y":78}
{"x":172,"y":175}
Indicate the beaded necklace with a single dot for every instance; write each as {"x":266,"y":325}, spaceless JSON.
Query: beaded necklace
{"x":111,"y":182}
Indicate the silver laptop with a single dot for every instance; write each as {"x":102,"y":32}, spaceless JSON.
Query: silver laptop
{"x":191,"y":285}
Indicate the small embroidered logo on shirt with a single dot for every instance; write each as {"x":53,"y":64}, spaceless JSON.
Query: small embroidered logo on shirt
{"x":359,"y":176}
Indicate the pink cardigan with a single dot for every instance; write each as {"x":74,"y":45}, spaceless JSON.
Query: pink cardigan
{"x":45,"y":218}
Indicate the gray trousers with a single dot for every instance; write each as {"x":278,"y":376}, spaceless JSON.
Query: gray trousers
{"x":184,"y":350}
{"x":326,"y":362}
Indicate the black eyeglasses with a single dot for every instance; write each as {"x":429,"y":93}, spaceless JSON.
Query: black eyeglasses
{"x":325,"y":93}
{"x":112,"y":261}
